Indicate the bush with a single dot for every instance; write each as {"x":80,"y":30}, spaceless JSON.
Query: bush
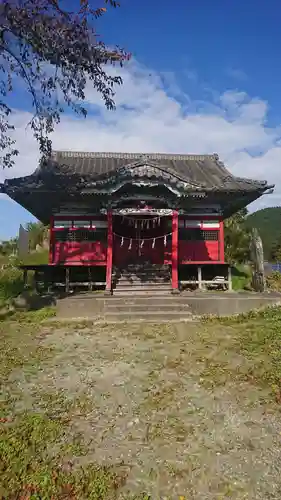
{"x":273,"y":281}
{"x":11,"y":283}
{"x":241,"y":277}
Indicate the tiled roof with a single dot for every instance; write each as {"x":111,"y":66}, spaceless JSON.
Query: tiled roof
{"x":204,"y":170}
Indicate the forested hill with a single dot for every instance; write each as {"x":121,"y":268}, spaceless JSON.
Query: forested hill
{"x":268,"y":223}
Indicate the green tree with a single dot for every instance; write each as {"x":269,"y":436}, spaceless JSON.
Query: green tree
{"x":56,"y":52}
{"x":38,"y":232}
{"x":275,"y":254}
{"x":237,"y":238}
{"x":9,"y":247}
{"x":267,"y":222}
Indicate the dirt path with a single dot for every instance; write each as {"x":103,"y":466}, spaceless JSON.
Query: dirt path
{"x":171,"y":403}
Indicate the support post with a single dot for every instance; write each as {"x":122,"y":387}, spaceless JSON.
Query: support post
{"x":51,"y":241}
{"x":109,"y":253}
{"x":200,"y":285}
{"x":175,"y":241}
{"x":67,"y":280}
{"x":229,"y":279}
{"x":221,"y":242}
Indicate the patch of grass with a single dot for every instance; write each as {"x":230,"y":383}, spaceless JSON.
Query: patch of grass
{"x":241,"y":277}
{"x":27,"y":471}
{"x":36,"y":316}
{"x":158,"y":397}
{"x":260,"y":342}
{"x":19,"y":349}
{"x":11,"y":283}
{"x":214,"y":374}
{"x":257,"y":336}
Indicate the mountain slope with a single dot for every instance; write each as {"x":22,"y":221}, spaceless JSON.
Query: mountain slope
{"x":268,"y":222}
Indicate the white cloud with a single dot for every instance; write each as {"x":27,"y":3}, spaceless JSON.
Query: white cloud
{"x":152,"y":116}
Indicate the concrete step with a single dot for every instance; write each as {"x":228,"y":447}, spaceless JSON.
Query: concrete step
{"x":143,"y":277}
{"x":149,"y":316}
{"x":142,"y":284}
{"x":145,"y":267}
{"x":135,"y":290}
{"x":141,"y":293}
{"x":145,"y":300}
{"x":145,"y":307}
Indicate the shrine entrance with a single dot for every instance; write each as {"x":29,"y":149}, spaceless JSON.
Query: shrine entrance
{"x":140,"y":238}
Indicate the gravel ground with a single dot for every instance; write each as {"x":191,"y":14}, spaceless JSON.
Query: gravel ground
{"x":172,"y":403}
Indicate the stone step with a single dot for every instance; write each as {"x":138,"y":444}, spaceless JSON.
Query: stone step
{"x":153,"y":267}
{"x":146,"y":307}
{"x":134,"y":278}
{"x":145,"y":300}
{"x":141,"y":293}
{"x":146,"y":284}
{"x":141,"y":284}
{"x":141,"y":276}
{"x":149,"y":316}
{"x":143,"y":289}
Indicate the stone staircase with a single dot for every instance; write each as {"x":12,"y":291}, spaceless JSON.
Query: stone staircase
{"x":147,"y":308}
{"x":142,"y":279}
{"x":141,"y":293}
{"x":143,"y":308}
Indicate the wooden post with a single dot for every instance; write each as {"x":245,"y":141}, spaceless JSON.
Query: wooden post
{"x":221,"y":242}
{"x":67,"y":280}
{"x":229,"y":279}
{"x":109,"y":253}
{"x":175,"y":241}
{"x":90,"y":285}
{"x":200,"y":285}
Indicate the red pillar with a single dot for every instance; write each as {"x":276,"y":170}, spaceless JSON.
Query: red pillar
{"x":175,"y":239}
{"x":221,"y":242}
{"x":109,"y":251}
{"x":51,"y":241}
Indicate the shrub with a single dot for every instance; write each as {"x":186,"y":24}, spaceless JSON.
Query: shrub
{"x":273,"y":281}
{"x":11,"y":283}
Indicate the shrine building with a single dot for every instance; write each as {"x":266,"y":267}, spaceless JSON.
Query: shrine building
{"x":113,"y":212}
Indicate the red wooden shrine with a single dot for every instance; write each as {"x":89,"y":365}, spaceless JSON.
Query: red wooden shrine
{"x":108,"y":210}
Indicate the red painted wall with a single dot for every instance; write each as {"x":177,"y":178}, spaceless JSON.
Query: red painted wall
{"x":95,"y":252}
{"x":79,"y":253}
{"x":76,"y":252}
{"x":198,"y":251}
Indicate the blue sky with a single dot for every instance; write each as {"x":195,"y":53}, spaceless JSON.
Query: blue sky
{"x":205,"y":77}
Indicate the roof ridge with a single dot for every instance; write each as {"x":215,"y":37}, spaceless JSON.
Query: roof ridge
{"x":133,"y":156}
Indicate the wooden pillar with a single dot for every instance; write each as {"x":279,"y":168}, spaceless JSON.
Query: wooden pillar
{"x":221,"y":242}
{"x":175,"y":251}
{"x":51,"y":241}
{"x":200,"y":284}
{"x":67,"y":280}
{"x":109,"y":252}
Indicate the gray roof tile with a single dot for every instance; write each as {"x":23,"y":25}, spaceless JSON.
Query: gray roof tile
{"x":205,"y":170}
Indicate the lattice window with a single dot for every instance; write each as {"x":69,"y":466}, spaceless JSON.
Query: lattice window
{"x":210,"y":235}
{"x":198,"y":235}
{"x":81,"y":235}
